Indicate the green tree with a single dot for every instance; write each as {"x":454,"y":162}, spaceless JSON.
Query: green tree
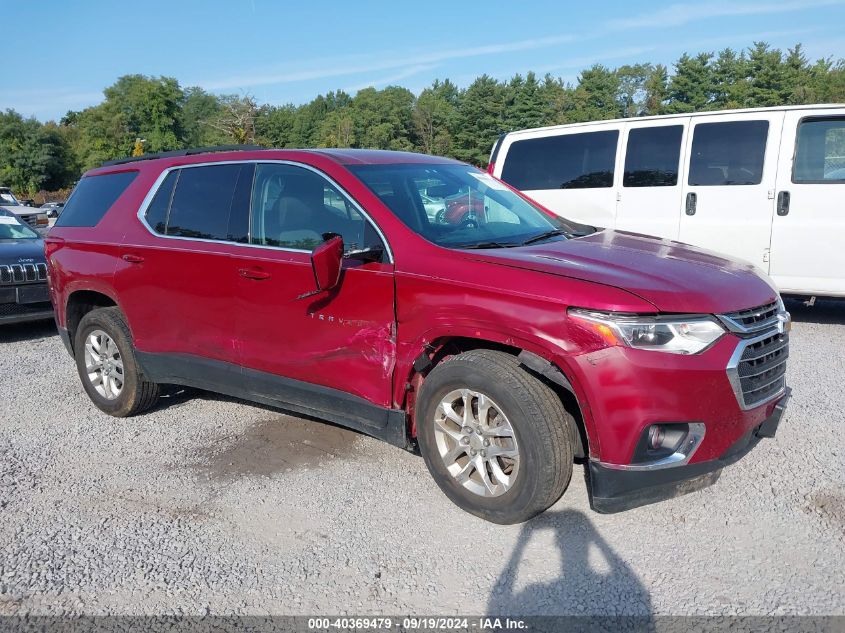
{"x":383,"y":118}
{"x":33,"y":156}
{"x":691,"y":87}
{"x":632,"y":88}
{"x":596,"y":96}
{"x":479,"y":120}
{"x":434,"y":113}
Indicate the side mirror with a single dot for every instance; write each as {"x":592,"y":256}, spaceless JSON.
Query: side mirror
{"x":325,"y":261}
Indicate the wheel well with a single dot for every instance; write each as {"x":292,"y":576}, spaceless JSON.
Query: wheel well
{"x":442,"y":349}
{"x":81,"y":303}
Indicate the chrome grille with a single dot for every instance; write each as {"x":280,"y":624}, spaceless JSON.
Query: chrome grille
{"x":753,"y":319}
{"x":758,"y":368}
{"x":22,"y":273}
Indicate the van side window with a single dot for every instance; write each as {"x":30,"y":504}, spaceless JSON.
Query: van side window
{"x":652,"y":156}
{"x":567,"y":161}
{"x":820,"y":152}
{"x":729,"y":153}
{"x":202,"y":201}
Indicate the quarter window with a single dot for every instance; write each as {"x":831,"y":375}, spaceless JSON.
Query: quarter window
{"x":294,"y":207}
{"x":652,"y":156}
{"x":568,"y":161}
{"x":93,"y":196}
{"x":729,"y":153}
{"x":820,"y":154}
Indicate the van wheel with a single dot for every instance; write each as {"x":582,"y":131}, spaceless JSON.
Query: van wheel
{"x":496,"y":439}
{"x":105,"y":360}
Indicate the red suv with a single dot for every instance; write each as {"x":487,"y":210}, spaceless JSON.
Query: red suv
{"x":503,"y":348}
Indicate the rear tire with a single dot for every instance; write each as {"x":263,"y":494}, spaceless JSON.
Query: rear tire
{"x":518,"y":454}
{"x":107,"y":366}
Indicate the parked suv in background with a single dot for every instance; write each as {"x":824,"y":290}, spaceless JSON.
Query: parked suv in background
{"x":33,"y":217}
{"x":505,"y":345}
{"x":23,"y":273}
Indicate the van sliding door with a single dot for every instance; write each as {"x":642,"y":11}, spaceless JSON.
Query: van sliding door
{"x":808,"y":230}
{"x":729,"y":191}
{"x":650,"y":192}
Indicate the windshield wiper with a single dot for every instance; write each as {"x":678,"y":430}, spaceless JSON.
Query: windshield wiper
{"x":489,"y":245}
{"x":544,"y":236}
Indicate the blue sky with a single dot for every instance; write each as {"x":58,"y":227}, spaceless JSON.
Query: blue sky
{"x":57,"y":56}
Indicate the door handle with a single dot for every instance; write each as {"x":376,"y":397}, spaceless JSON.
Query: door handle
{"x":132,"y":259}
{"x":253,"y":273}
{"x":692,"y":202}
{"x":783,"y":203}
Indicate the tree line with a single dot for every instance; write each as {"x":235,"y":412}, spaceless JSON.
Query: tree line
{"x":142,"y":114}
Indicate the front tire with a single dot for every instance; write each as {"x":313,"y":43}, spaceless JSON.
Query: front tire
{"x":496,"y":439}
{"x":108,"y":369}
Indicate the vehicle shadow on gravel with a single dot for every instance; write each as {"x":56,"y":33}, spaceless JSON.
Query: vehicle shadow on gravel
{"x":825,"y":311}
{"x":593,"y":580}
{"x":17,"y":332}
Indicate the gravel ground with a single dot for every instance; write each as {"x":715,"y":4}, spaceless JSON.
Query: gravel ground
{"x":211,"y":505}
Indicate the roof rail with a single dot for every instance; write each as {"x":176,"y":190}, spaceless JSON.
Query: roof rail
{"x":184,"y":152}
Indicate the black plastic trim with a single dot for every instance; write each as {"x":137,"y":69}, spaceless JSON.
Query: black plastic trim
{"x":184,"y":152}
{"x":23,"y":318}
{"x":614,"y":490}
{"x":277,"y":391}
{"x":65,"y":336}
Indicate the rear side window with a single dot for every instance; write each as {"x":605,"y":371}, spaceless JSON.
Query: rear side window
{"x":729,"y":153}
{"x":569,"y":161}
{"x":202,"y":201}
{"x":93,"y":196}
{"x":820,"y":153}
{"x":652,"y":156}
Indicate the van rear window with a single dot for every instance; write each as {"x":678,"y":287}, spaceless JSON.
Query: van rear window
{"x":567,"y":161}
{"x":93,"y":196}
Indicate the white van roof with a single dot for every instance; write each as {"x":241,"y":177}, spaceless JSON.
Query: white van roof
{"x":661,"y":117}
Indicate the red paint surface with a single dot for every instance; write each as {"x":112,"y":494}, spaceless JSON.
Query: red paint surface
{"x":363,"y":336}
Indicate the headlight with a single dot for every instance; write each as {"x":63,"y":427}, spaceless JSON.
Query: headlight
{"x":682,"y":335}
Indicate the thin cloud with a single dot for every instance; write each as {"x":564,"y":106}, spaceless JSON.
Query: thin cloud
{"x":680,"y":14}
{"x":408,"y":72}
{"x":674,"y":15}
{"x":388,"y":62}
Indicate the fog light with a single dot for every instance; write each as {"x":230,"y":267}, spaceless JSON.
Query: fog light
{"x":656,"y":435}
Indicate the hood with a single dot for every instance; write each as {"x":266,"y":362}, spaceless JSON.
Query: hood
{"x":13,"y":251}
{"x":673,"y":277}
{"x":19,"y":210}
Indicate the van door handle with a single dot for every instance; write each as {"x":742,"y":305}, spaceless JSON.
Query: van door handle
{"x":132,"y":259}
{"x":253,"y":273}
{"x":783,"y":203}
{"x":692,"y":202}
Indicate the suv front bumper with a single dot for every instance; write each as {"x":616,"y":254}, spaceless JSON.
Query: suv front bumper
{"x":617,"y":489}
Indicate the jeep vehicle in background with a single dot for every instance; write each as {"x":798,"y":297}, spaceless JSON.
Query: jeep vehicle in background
{"x":35,"y":218}
{"x":763,"y":185}
{"x":23,"y":273}
{"x":504,"y":345}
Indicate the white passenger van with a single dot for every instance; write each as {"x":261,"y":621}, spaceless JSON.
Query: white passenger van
{"x":765,"y":185}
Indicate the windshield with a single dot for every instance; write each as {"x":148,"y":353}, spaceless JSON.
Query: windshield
{"x":7,"y":199}
{"x":11,"y":229}
{"x":458,"y":206}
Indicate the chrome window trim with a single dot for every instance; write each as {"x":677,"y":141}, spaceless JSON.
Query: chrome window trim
{"x":679,"y":458}
{"x":145,"y":203}
{"x":736,"y":358}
